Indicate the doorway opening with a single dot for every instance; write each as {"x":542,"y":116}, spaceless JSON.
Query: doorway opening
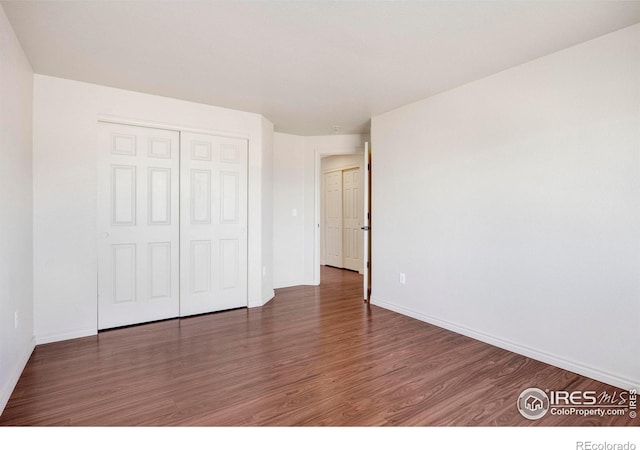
{"x":363,"y":239}
{"x":341,"y":237}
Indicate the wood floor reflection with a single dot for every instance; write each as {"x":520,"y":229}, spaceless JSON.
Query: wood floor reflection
{"x":312,"y":356}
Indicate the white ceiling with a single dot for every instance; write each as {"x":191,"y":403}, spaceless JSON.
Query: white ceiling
{"x":305,"y":65}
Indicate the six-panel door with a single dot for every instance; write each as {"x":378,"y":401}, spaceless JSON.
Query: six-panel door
{"x":138,"y":224}
{"x":352,"y":219}
{"x":213,"y":234}
{"x":172,"y":224}
{"x":333,"y":219}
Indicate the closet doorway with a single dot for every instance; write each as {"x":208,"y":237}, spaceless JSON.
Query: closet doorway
{"x":342,"y":208}
{"x":172,"y":224}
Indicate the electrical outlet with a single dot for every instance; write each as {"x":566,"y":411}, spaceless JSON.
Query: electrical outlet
{"x":264,"y":271}
{"x":294,"y":212}
{"x":15,"y":320}
{"x":403,"y":278}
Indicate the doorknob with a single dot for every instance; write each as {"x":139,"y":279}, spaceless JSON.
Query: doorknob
{"x":367,"y":228}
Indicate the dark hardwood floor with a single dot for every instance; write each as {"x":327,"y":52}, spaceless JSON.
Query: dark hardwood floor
{"x":312,"y":356}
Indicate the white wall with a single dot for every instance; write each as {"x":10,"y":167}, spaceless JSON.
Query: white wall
{"x":511,"y":204}
{"x":289,"y":194}
{"x":64,"y":168}
{"x":296,"y":171}
{"x":16,"y":218}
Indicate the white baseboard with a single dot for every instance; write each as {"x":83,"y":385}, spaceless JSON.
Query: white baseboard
{"x":268,"y":297}
{"x":46,"y":338}
{"x":10,"y":385}
{"x":263,"y":301}
{"x":554,"y":360}
{"x":286,"y":284}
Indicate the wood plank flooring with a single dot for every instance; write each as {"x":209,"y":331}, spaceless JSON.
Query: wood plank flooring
{"x":312,"y":356}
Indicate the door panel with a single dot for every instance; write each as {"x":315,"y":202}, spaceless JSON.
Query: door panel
{"x":159,"y":196}
{"x":213,"y":223}
{"x":160,"y":269}
{"x":200,"y":204}
{"x":124,"y":273}
{"x":123,"y":198}
{"x":138,"y":224}
{"x":352,"y":219}
{"x":200,"y":266}
{"x":333,"y":219}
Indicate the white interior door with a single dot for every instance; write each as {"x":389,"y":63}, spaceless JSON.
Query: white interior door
{"x":138,"y":225}
{"x":366,"y":220}
{"x":352,"y":219}
{"x":213,"y":217}
{"x":333,"y":219}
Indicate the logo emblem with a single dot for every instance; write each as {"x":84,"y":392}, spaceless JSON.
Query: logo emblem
{"x":533,"y":403}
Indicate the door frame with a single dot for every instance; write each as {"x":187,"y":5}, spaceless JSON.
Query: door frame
{"x":318,"y":180}
{"x":166,"y":126}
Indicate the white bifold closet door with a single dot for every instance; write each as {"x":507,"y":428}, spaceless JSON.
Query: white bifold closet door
{"x":333,"y":218}
{"x":138,"y":225}
{"x":343,"y":238}
{"x":352,"y":219}
{"x":213,"y":218}
{"x":172,"y":224}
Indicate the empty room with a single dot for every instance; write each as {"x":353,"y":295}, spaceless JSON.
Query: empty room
{"x":358,"y":213}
